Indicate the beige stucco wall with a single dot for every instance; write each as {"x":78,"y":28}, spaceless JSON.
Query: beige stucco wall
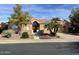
{"x":30,"y":31}
{"x":28,"y":28}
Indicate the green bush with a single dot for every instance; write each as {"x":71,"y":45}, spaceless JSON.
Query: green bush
{"x":6,"y":33}
{"x":25,"y":35}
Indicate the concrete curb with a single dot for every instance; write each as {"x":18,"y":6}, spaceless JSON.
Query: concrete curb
{"x":37,"y":41}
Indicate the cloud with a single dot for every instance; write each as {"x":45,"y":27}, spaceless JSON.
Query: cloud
{"x":48,"y":10}
{"x":39,"y":10}
{"x":61,"y":13}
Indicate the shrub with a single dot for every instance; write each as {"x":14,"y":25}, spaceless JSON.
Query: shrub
{"x":25,"y":35}
{"x":6,"y":33}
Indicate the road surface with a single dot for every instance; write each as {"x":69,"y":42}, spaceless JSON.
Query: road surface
{"x":54,"y":48}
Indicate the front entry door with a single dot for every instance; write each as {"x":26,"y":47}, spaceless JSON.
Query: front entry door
{"x":35,"y":26}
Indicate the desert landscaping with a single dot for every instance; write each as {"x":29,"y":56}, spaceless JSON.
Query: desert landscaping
{"x":23,"y":28}
{"x":15,"y":39}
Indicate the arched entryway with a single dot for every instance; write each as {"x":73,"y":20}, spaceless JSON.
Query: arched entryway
{"x":35,"y":26}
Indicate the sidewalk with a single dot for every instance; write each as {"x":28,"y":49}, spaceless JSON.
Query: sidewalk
{"x":37,"y":41}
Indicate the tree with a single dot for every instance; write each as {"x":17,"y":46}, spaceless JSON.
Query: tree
{"x":74,"y":16}
{"x":55,"y":19}
{"x":53,"y":24}
{"x":19,"y":17}
{"x":74,"y":19}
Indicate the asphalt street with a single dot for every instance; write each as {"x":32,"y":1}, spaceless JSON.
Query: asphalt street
{"x":59,"y":48}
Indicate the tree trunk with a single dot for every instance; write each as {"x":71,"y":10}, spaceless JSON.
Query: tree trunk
{"x":55,"y":30}
{"x":50,"y":31}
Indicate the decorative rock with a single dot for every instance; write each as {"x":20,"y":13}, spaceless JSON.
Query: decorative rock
{"x":36,"y":37}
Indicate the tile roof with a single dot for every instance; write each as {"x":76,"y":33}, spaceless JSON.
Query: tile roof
{"x":38,"y":20}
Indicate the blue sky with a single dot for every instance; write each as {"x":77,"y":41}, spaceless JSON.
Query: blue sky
{"x":39,"y":11}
